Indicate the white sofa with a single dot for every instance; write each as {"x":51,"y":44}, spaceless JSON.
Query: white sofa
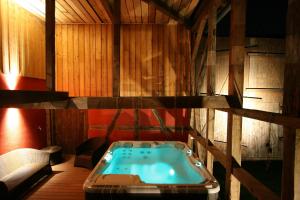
{"x":20,"y":169}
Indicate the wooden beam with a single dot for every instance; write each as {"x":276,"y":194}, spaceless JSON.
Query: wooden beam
{"x":112,"y":125}
{"x":142,"y":128}
{"x":270,"y":117}
{"x":103,"y":10}
{"x":50,"y":44}
{"x":118,"y":102}
{"x":289,"y":144}
{"x":116,"y":47}
{"x":202,"y":11}
{"x":210,"y":80}
{"x":11,"y":98}
{"x":291,"y":103}
{"x":234,"y":138}
{"x":195,"y":51}
{"x":161,"y":122}
{"x":256,"y":188}
{"x":160,"y":102}
{"x":136,"y":124}
{"x":297,"y":166}
{"x":109,"y":12}
{"x":235,"y":87}
{"x":200,"y":72}
{"x":164,"y":8}
{"x":219,"y":155}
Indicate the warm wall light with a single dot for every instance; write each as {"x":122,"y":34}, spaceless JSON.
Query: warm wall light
{"x":11,"y":81}
{"x":36,"y":7}
{"x":12,"y":119}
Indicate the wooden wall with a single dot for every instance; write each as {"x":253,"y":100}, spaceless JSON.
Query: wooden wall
{"x":155,"y":60}
{"x":23,"y":41}
{"x":84,"y":59}
{"x":70,"y":129}
{"x":263,"y":82}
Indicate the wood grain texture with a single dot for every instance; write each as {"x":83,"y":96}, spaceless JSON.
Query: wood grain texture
{"x":154,"y":61}
{"x":50,"y":45}
{"x":23,"y":41}
{"x":116,"y":47}
{"x":59,"y":185}
{"x":140,"y":11}
{"x":210,"y":80}
{"x":84,"y":59}
{"x":260,"y":139}
{"x":291,"y":103}
{"x":75,"y":11}
{"x":236,"y":88}
{"x":70,"y":129}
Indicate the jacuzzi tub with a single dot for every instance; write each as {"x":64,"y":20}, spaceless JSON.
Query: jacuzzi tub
{"x":147,"y":169}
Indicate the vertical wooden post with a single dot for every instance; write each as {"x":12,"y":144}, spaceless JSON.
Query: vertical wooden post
{"x":50,"y":44}
{"x":136,"y":124}
{"x":116,"y":47}
{"x":235,"y":87}
{"x":291,"y":103}
{"x":211,"y":68}
{"x":297,"y":165}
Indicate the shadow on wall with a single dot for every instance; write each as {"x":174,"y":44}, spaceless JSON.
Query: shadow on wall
{"x":175,"y":120}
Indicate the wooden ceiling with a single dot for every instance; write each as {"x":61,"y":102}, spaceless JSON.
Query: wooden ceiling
{"x":137,"y":11}
{"x":81,"y":11}
{"x":98,"y":11}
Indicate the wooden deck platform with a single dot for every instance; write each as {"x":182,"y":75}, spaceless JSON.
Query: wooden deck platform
{"x":65,"y":183}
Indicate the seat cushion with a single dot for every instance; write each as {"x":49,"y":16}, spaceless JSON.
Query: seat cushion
{"x":21,"y":174}
{"x":52,"y":149}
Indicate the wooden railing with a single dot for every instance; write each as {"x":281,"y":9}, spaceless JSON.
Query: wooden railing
{"x":255,"y":187}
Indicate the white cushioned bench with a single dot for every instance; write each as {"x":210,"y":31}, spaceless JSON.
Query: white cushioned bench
{"x":20,"y":169}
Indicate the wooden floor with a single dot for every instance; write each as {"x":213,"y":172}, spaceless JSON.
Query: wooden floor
{"x":65,"y":183}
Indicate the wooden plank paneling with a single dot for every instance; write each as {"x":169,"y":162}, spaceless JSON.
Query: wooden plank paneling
{"x":23,"y":41}
{"x":104,"y":61}
{"x":138,"y":60}
{"x":84,"y":66}
{"x":149,"y":59}
{"x":160,"y":64}
{"x":110,"y":63}
{"x":165,"y":53}
{"x":144,"y":11}
{"x":143,"y":61}
{"x":69,"y":129}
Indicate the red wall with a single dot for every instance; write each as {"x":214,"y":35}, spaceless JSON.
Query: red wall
{"x":172,"y":117}
{"x":22,"y":127}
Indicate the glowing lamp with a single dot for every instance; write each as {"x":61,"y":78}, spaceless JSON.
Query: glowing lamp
{"x":171,"y":172}
{"x":12,"y":119}
{"x":11,"y":81}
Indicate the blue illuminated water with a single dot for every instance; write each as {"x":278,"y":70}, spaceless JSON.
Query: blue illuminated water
{"x":163,"y":165}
